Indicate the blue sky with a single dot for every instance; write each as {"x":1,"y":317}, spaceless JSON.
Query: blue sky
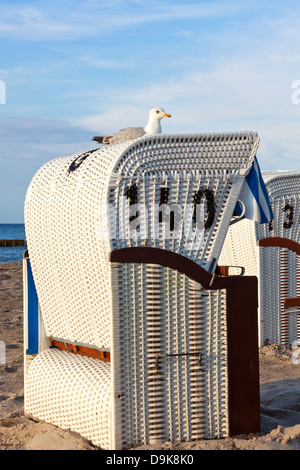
{"x":73,"y":69}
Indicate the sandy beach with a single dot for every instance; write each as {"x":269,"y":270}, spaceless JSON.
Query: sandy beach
{"x":279,"y":384}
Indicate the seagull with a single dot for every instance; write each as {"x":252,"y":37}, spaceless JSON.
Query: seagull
{"x":130,"y":133}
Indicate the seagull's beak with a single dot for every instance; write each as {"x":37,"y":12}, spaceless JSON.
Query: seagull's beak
{"x":166,"y":115}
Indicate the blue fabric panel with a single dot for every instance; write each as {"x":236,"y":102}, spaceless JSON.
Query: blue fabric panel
{"x":255,"y":197}
{"x":33,"y":314}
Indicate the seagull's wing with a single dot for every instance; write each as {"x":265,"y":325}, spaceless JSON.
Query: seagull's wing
{"x":128,"y":133}
{"x":101,"y":138}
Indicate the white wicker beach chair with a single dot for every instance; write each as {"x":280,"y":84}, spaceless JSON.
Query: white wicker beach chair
{"x":272,"y":253}
{"x":141,"y":335}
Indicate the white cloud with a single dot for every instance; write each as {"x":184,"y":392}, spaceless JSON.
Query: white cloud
{"x":244,"y":84}
{"x":108,"y":64}
{"x":244,"y":93}
{"x":40,"y":139}
{"x":68,"y":20}
{"x":30,"y":22}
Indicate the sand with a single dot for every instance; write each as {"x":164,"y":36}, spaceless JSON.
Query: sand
{"x":279,"y":384}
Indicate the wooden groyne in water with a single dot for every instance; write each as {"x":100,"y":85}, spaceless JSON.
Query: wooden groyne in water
{"x":9,"y":243}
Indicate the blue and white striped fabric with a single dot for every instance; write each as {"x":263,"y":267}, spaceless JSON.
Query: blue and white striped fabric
{"x":254,"y":196}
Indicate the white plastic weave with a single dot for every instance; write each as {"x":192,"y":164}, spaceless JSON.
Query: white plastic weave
{"x":72,"y":392}
{"x":277,"y":268}
{"x":70,"y":234}
{"x":170,"y":357}
{"x":167,"y":336}
{"x":169,"y":371}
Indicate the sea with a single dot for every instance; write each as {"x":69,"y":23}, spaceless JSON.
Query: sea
{"x":12,"y":232}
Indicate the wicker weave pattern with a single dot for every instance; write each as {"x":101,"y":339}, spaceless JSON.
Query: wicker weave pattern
{"x":278,"y":269}
{"x":279,"y":325}
{"x":158,"y":315}
{"x":69,"y":237}
{"x":73,"y":393}
{"x":240,"y":248}
{"x":154,"y":321}
{"x":185,"y":164}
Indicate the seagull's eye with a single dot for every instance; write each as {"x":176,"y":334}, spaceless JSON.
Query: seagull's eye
{"x":157,"y":111}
